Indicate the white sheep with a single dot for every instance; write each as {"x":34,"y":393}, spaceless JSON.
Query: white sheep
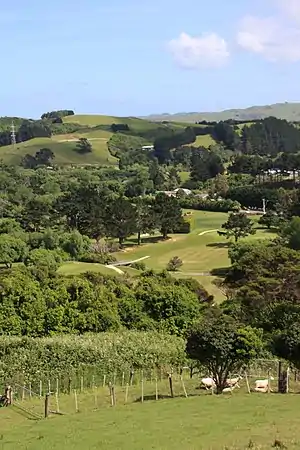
{"x":208,"y":383}
{"x":229,"y":389}
{"x":262,"y":385}
{"x":230,"y":382}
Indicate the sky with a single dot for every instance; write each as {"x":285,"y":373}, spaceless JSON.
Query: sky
{"x":133,"y":57}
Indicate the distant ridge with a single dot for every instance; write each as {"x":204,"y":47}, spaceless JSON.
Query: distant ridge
{"x":288,"y":111}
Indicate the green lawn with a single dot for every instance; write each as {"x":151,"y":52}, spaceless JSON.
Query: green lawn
{"x":197,"y":423}
{"x":200,"y":254}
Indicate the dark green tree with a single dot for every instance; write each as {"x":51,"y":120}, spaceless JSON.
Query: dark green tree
{"x":167,"y":213}
{"x":120,"y":219}
{"x":223,"y":346}
{"x":238,"y":225}
{"x":84,"y":146}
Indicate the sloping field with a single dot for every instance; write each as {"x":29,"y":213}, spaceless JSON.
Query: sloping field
{"x":64,"y":150}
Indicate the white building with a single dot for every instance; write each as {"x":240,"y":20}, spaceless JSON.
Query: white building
{"x":148,"y":147}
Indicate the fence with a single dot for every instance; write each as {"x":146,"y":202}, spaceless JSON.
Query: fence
{"x":67,"y":395}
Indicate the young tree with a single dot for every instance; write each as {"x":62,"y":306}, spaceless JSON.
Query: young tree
{"x":223,"y":346}
{"x":167,"y":213}
{"x":238,"y":225}
{"x":174,"y":264}
{"x":84,"y":146}
{"x":270,"y":220}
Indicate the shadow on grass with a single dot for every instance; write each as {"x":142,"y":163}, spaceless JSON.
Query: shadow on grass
{"x":162,"y":397}
{"x":220,"y":271}
{"x":218,"y":245}
{"x":146,"y":240}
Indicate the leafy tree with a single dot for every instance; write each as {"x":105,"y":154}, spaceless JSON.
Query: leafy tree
{"x":291,"y":233}
{"x":238,"y":225}
{"x":270,"y":219}
{"x":287,"y":344}
{"x":84,"y":146}
{"x":174,"y":264}
{"x":44,"y":157}
{"x":49,"y":259}
{"x":167,"y":213}
{"x":205,"y":164}
{"x":75,"y":244}
{"x":12,"y":250}
{"x":120,"y":219}
{"x":9,"y":226}
{"x":145,"y":222}
{"x":223,"y":346}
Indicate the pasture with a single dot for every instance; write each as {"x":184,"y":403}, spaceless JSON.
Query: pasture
{"x":201,"y":421}
{"x":200,"y":253}
{"x":64,"y":149}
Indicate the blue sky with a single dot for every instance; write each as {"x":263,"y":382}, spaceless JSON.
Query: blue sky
{"x":133,"y":57}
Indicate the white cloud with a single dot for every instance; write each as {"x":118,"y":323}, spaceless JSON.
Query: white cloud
{"x":272,"y":38}
{"x":289,"y":7}
{"x":205,"y":51}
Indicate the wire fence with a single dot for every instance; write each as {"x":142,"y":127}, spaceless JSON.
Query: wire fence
{"x":67,"y":395}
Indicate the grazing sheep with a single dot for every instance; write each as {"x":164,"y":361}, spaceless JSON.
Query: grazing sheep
{"x":233,"y":382}
{"x":229,"y":389}
{"x":262,"y":385}
{"x":208,"y":383}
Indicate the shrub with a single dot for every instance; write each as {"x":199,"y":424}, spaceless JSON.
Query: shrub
{"x":174,"y":264}
{"x":99,"y":258}
{"x":27,"y":359}
{"x":139,"y":265}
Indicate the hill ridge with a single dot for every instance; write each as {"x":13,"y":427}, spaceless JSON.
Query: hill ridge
{"x":285,"y":110}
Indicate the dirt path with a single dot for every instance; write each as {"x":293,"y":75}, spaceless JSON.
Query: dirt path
{"x":207,"y":231}
{"x":126,"y":263}
{"x":116,"y":269}
{"x":75,"y":140}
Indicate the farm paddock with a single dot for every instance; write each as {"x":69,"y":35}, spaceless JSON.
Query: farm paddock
{"x":200,"y":421}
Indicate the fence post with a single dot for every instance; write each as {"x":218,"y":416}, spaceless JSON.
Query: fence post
{"x":156,"y":389}
{"x":41,"y":388}
{"x":111,"y":394}
{"x":171,"y":385}
{"x":279,"y":375}
{"x":76,"y":401}
{"x":104,"y":380}
{"x":247,"y":383}
{"x":47,"y":405}
{"x":183,"y":386}
{"x":142,"y":386}
{"x":57,"y":403}
{"x":23,"y":392}
{"x":269,"y":381}
{"x":81,"y":384}
{"x":126,"y":392}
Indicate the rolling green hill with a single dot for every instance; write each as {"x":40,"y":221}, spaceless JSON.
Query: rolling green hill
{"x":96,"y":128}
{"x":288,"y":111}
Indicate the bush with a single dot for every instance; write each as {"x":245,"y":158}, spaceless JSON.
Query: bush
{"x":140,"y":265}
{"x":174,"y":264}
{"x":99,"y":258}
{"x":184,"y":227}
{"x":28,"y":359}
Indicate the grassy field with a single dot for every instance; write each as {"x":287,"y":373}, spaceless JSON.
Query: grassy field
{"x":233,"y":422}
{"x":204,"y":141}
{"x":64,"y":148}
{"x":200,"y":253}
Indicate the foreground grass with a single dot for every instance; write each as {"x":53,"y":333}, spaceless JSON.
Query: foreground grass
{"x":199,"y":422}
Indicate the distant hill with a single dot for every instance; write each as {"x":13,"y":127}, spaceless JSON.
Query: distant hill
{"x":96,"y":128}
{"x":288,"y":111}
